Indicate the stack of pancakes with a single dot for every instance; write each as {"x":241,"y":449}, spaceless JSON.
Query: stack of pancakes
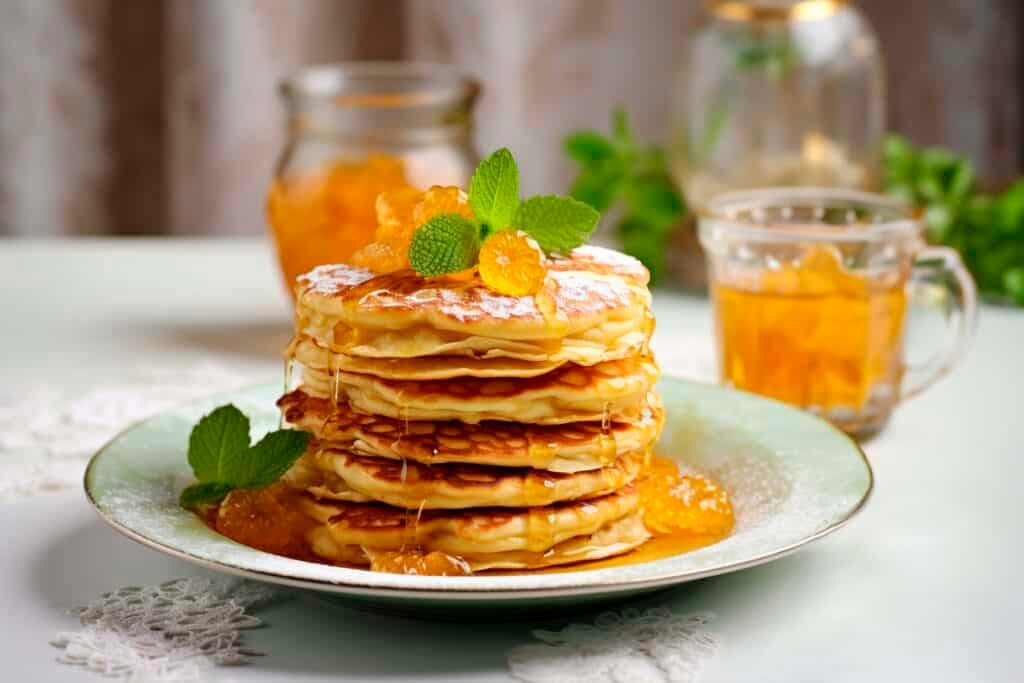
{"x":503,"y":431}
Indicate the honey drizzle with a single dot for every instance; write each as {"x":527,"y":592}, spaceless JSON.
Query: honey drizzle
{"x":335,"y":374}
{"x":540,"y":451}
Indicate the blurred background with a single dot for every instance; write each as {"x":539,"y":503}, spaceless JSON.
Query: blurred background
{"x":152,"y":117}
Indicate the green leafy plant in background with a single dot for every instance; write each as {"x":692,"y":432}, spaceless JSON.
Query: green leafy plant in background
{"x":618,"y":171}
{"x":987,"y":230}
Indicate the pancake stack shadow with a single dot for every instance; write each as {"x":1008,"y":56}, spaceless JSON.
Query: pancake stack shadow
{"x":457,"y":429}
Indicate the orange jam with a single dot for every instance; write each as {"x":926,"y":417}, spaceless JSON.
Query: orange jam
{"x":674,"y":502}
{"x":265,"y":520}
{"x":418,"y":562}
{"x":325,"y":215}
{"x":813,"y":335}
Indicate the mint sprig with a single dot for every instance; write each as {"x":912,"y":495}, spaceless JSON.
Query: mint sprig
{"x":222,"y":458}
{"x":449,"y":243}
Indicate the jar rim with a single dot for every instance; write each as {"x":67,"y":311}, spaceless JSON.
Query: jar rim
{"x":379,"y":85}
{"x":766,"y":215}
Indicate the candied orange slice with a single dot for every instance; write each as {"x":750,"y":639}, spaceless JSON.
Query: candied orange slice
{"x":382,"y":258}
{"x":512,"y":263}
{"x":438,"y":200}
{"x":395,"y":214}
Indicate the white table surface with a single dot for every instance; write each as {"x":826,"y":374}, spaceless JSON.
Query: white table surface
{"x":922,"y":586}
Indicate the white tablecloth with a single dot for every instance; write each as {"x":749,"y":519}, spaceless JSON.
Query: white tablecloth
{"x":922,"y":586}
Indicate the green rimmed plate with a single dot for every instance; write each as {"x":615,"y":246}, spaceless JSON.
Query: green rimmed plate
{"x":793,"y":479}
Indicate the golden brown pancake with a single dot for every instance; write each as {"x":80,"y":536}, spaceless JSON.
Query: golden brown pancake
{"x":474,"y":535}
{"x":614,"y":538}
{"x":452,"y":486}
{"x":570,"y":447}
{"x":310,"y":354}
{"x":595,"y":307}
{"x":611,"y":390}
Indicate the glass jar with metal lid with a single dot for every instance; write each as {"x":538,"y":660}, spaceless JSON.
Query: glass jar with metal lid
{"x":776,"y":93}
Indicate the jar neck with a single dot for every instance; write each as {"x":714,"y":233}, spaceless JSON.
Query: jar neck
{"x":375,"y":103}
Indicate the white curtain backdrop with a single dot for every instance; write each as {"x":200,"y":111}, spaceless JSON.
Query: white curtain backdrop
{"x":161,"y":116}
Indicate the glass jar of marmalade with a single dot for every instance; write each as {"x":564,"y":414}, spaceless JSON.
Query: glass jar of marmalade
{"x":355,"y":130}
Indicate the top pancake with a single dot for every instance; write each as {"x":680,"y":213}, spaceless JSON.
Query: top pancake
{"x":595,"y":300}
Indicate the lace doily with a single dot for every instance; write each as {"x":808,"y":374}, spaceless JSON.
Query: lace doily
{"x":171,"y":632}
{"x":46,"y":438}
{"x":654,"y":646}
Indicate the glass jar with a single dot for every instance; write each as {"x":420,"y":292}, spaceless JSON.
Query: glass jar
{"x":779,"y":93}
{"x":356,"y":130}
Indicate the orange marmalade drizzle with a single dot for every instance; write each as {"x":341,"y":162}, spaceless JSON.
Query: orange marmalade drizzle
{"x":683,"y":512}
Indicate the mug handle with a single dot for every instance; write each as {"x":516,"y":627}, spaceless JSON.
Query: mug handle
{"x":939,"y":278}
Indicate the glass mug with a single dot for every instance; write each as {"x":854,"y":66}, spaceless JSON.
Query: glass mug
{"x":810,"y":289}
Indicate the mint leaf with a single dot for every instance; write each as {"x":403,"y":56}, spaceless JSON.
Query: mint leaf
{"x":588,"y":147}
{"x":494,"y":190}
{"x":447,"y":243}
{"x":264,"y":463}
{"x":199,"y":494}
{"x":217,"y":435}
{"x":559,"y":224}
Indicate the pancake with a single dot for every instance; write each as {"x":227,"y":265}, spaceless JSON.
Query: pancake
{"x":559,"y":448}
{"x":595,"y":307}
{"x":613,"y":390}
{"x":475,"y":535}
{"x":453,"y":486}
{"x":614,"y":538}
{"x":310,"y":354}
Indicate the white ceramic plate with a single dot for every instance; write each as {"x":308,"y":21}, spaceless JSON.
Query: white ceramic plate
{"x":793,"y":478}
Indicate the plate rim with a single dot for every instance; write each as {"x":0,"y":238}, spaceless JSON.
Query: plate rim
{"x":476,"y":592}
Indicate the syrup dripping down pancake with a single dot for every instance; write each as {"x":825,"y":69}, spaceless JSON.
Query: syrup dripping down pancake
{"x":344,"y":529}
{"x":612,"y":390}
{"x":572,"y":447}
{"x":452,"y":486}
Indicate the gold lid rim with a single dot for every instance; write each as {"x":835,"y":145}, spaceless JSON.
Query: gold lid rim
{"x":754,"y":11}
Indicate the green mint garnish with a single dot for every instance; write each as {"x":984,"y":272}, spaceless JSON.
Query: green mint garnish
{"x":447,"y":243}
{"x":619,"y":171}
{"x":450,"y":243}
{"x":494,"y":190}
{"x":222,"y":458}
{"x":559,"y":224}
{"x":214,"y":438}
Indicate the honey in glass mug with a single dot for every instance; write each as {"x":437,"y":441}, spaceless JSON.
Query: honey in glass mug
{"x":812,"y":290}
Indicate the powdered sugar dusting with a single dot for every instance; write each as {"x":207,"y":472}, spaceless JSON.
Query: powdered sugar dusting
{"x":332,"y":278}
{"x":608,"y":257}
{"x":592,"y":281}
